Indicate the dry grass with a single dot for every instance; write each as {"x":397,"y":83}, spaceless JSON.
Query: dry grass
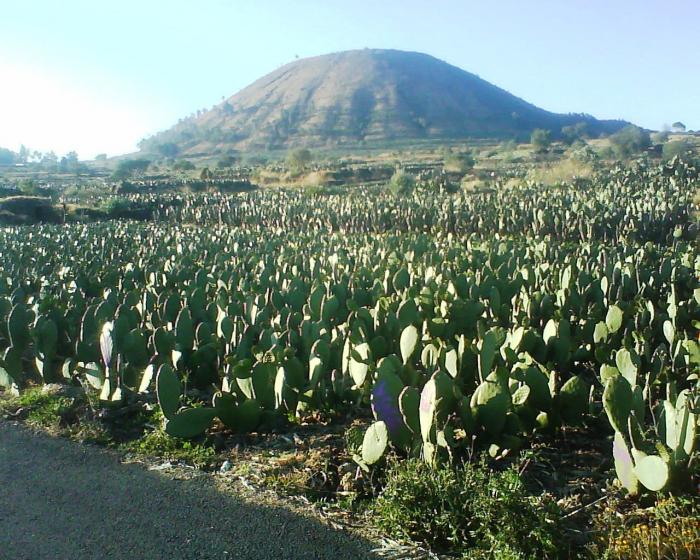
{"x":564,"y":171}
{"x":314,"y":179}
{"x":668,"y":531}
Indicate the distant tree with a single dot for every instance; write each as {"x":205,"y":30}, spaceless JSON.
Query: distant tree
{"x":49,"y":160}
{"x":7,"y":157}
{"x":24,"y":153}
{"x":574,"y":132}
{"x":401,"y":183}
{"x":226,"y":161}
{"x":183,"y":165}
{"x":69,"y":163}
{"x":116,"y":206}
{"x":206,"y":174}
{"x":509,"y":146}
{"x":29,"y":187}
{"x":227,"y":108}
{"x":583,"y":153}
{"x":630,"y":140}
{"x":681,"y":148}
{"x":678,"y":127}
{"x":256,"y":160}
{"x":168,"y":149}
{"x":127,"y":168}
{"x":299,"y":159}
{"x":540,"y":140}
{"x":101,"y":157}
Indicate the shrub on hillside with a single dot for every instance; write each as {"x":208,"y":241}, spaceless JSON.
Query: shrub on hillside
{"x":183,"y":165}
{"x":29,"y":187}
{"x":226,"y":162}
{"x":629,"y":141}
{"x":574,"y":132}
{"x":130,"y":167}
{"x":540,"y":140}
{"x":459,"y":163}
{"x":681,"y":148}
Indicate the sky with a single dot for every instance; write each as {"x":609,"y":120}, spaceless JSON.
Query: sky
{"x":96,"y":77}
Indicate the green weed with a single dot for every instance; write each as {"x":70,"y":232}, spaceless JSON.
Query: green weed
{"x":156,"y":443}
{"x":47,"y":410}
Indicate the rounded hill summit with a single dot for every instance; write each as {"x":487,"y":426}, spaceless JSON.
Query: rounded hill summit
{"x":364,"y":96}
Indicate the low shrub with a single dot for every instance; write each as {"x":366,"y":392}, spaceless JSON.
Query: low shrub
{"x":669,"y":530}
{"x":681,"y":148}
{"x":401,"y":183}
{"x":468,"y":510}
{"x":28,"y":209}
{"x":459,"y":163}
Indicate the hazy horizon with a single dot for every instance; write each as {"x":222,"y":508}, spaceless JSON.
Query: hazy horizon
{"x":98,"y":81}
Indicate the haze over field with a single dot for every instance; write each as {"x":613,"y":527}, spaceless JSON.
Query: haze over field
{"x":99,"y":81}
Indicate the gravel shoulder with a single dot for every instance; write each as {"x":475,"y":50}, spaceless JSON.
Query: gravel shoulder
{"x":62,"y":500}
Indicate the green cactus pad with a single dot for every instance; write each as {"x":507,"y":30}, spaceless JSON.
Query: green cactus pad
{"x":168,"y":390}
{"x":624,"y":466}
{"x":18,"y":325}
{"x":375,"y":442}
{"x":190,"y":422}
{"x":627,"y":363}
{"x":487,"y":354}
{"x":408,"y":342}
{"x":540,"y":395}
{"x":618,"y":402}
{"x":242,"y":418}
{"x":493,"y":401}
{"x":573,"y":399}
{"x":613,"y":319}
{"x":409,"y":402}
{"x":184,"y":330}
{"x":653,"y":472}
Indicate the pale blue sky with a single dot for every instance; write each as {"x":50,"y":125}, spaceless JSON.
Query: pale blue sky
{"x":98,"y":76}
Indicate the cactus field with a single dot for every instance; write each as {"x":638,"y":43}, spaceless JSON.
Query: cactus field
{"x":453,"y":323}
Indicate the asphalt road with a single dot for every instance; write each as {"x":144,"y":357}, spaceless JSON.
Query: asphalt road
{"x":61,"y":500}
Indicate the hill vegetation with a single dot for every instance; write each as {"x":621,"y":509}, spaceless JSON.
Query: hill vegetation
{"x":364,"y":97}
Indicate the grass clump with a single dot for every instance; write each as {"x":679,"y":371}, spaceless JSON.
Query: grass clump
{"x":45,"y":409}
{"x":468,"y":510}
{"x":561,"y":172}
{"x":309,"y":474}
{"x":156,"y":443}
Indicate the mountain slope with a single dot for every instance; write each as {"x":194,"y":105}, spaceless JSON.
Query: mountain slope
{"x":364,"y":96}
